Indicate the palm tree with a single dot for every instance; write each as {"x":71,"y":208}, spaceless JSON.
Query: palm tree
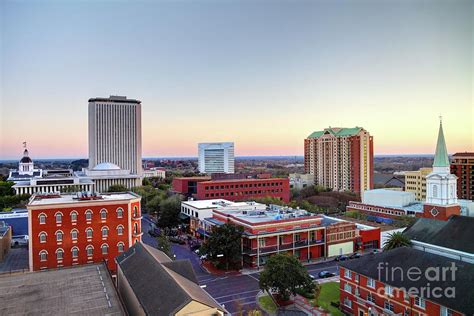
{"x":396,"y":240}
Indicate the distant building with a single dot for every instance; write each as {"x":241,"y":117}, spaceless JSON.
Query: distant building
{"x":29,"y":180}
{"x":216,"y":157}
{"x":85,"y":290}
{"x":415,"y":181}
{"x":154,"y":172}
{"x":75,"y":229}
{"x":150,"y":283}
{"x":5,"y":239}
{"x":462,"y":166}
{"x":300,"y":181}
{"x":115,"y":142}
{"x":341,"y":158}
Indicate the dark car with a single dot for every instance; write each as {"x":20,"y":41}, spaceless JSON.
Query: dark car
{"x":355,"y":255}
{"x":325,"y":274}
{"x":341,"y":258}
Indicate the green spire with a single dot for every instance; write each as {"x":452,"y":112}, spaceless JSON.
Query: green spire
{"x":441,"y":156}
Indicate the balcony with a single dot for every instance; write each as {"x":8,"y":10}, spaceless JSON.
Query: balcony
{"x":282,"y":247}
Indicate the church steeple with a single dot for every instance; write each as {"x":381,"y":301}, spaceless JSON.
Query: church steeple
{"x":441,"y":159}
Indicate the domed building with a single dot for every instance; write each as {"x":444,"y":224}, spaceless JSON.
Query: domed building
{"x":106,"y":174}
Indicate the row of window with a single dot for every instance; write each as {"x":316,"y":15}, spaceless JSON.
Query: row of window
{"x":241,"y":186}
{"x":242,"y":193}
{"x":88,"y":214}
{"x":43,"y":254}
{"x":89,"y":233}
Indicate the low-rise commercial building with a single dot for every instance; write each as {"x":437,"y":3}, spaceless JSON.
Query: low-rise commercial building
{"x":75,"y":229}
{"x":415,"y":181}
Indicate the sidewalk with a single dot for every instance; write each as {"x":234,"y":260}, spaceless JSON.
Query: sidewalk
{"x":306,"y":263}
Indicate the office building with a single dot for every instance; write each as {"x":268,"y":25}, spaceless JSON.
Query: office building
{"x":115,"y":142}
{"x":216,"y":157}
{"x":300,"y":181}
{"x":340,"y":158}
{"x":415,"y":181}
{"x":75,"y":229}
{"x":462,"y":166}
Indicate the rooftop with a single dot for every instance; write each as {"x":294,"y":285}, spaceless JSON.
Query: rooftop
{"x":115,"y":99}
{"x":84,"y":290}
{"x":47,"y":199}
{"x":337,"y":131}
{"x":217,"y":203}
{"x":408,"y":258}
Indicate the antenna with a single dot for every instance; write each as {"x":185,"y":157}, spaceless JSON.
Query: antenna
{"x":24,"y":144}
{"x":440,"y":119}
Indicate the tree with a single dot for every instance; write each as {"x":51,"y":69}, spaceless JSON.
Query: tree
{"x":169,"y":212}
{"x":6,"y":188}
{"x":117,"y":188}
{"x":224,"y":245}
{"x":164,"y":244}
{"x":396,"y":240}
{"x":284,"y":274}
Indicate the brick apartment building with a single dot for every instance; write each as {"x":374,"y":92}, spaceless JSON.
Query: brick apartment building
{"x":462,"y":166}
{"x":75,"y":229}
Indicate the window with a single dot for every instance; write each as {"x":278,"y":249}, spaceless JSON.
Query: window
{"x":370,"y":297}
{"x":73,"y":216}
{"x":75,"y":252}
{"x":356,"y":277}
{"x":135,"y":228}
{"x":105,"y":232}
{"x":59,"y":254}
{"x":120,"y":247}
{"x":43,"y":255}
{"x":347,"y":302}
{"x":388,"y":290}
{"x":261,"y":242}
{"x":88,"y":215}
{"x":135,"y":212}
{"x":419,"y":302}
{"x":371,"y":283}
{"x":347,"y":288}
{"x":42,"y":219}
{"x":444,"y":311}
{"x":89,"y":232}
{"x":74,"y":234}
{"x":103,"y":214}
{"x":119,"y":212}
{"x":388,"y":306}
{"x":42,"y":237}
{"x":59,"y":218}
{"x":59,"y":235}
{"x":347,"y":274}
{"x":119,"y":230}
{"x":105,"y":249}
{"x":90,"y":251}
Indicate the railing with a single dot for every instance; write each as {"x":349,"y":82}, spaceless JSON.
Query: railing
{"x":276,"y":248}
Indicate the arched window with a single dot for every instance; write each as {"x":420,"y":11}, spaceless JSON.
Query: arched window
{"x":135,"y":212}
{"x":74,"y":234}
{"x":435,"y":190}
{"x":105,"y":232}
{"x":73,"y":216}
{"x":59,"y":235}
{"x":119,"y":212}
{"x":120,"y":247}
{"x":135,"y":228}
{"x":59,"y":254}
{"x":120,"y":230}
{"x":103,"y":214}
{"x":89,"y":232}
{"x":42,"y":218}
{"x":75,"y":252}
{"x":42,"y":237}
{"x":59,"y":217}
{"x":43,"y":255}
{"x":105,"y":249}
{"x":90,"y":251}
{"x":88,"y":215}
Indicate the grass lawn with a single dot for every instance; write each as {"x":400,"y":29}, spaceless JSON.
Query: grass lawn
{"x":329,"y":293}
{"x":267,"y":303}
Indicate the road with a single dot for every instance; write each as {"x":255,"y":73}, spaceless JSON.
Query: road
{"x":235,"y":292}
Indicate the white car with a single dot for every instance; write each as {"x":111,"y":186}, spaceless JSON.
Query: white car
{"x":203,"y":257}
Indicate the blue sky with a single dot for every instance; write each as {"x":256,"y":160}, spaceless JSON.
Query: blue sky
{"x":263,"y":74}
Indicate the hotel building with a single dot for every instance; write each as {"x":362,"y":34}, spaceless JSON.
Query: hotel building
{"x":462,"y":166}
{"x":74,"y":229}
{"x":340,"y":158}
{"x":216,"y":157}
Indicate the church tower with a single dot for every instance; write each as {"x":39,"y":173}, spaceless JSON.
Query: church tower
{"x":441,"y":199}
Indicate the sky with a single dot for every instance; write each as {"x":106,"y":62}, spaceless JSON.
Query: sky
{"x":263,"y":74}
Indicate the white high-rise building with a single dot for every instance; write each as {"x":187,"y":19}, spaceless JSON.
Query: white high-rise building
{"x":216,"y":157}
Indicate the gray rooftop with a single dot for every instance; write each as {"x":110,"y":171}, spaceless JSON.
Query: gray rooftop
{"x":70,"y":291}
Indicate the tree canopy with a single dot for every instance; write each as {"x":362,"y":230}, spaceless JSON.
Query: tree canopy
{"x":224,"y":245}
{"x":169,"y":212}
{"x":284,"y":274}
{"x":117,"y":188}
{"x":396,"y":240}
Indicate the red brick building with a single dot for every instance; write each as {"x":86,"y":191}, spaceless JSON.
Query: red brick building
{"x":68,"y":229}
{"x":462,"y":166}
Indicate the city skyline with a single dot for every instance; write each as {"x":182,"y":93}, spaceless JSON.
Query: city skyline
{"x":231,"y":71}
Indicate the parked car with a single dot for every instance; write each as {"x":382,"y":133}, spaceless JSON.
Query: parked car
{"x":355,"y":255}
{"x":203,"y":257}
{"x":341,"y":258}
{"x":312,"y":277}
{"x":325,"y":274}
{"x":375,"y":251}
{"x":19,"y":241}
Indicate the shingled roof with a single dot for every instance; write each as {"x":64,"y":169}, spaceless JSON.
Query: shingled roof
{"x":162,"y":286}
{"x":456,"y":233}
{"x":405,"y":258}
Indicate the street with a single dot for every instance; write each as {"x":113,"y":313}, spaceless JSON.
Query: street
{"x":235,"y":292}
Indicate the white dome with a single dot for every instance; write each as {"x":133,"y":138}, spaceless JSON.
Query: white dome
{"x":106,"y":166}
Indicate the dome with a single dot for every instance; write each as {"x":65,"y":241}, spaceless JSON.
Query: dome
{"x":106,"y":166}
{"x":26,"y":160}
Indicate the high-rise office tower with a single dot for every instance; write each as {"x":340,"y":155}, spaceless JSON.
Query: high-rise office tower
{"x":216,"y":157}
{"x":115,"y":133}
{"x":340,"y":158}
